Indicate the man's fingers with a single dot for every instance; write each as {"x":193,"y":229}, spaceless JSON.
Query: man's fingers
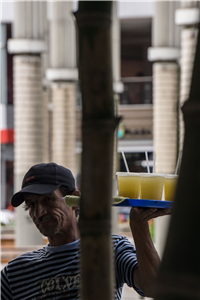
{"x":142,"y":214}
{"x":150,"y":213}
{"x":162,"y":212}
{"x":146,"y":214}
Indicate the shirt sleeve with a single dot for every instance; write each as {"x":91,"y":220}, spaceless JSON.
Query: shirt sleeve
{"x":125,"y":263}
{"x":6,"y":293}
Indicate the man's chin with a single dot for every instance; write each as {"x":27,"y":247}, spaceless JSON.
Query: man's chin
{"x":47,"y":232}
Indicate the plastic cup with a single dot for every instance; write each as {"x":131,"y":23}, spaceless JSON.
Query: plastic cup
{"x":151,"y":186}
{"x":128,"y":184}
{"x":170,"y":186}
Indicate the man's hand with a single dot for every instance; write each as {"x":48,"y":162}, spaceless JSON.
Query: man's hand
{"x":140,"y":215}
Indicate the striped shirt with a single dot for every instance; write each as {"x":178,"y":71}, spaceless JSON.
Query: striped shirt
{"x":53,"y":272}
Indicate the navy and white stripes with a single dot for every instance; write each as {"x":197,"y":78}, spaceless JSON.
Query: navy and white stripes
{"x":53,"y":272}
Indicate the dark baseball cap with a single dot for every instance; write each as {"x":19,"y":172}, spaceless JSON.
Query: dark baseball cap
{"x":43,"y":179}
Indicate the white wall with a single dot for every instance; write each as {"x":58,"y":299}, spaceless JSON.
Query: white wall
{"x":131,"y":9}
{"x":3,"y":116}
{"x":135,"y":9}
{"x":6,"y":11}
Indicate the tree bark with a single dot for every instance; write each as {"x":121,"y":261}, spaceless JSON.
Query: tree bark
{"x":98,"y":126}
{"x":179,"y":276}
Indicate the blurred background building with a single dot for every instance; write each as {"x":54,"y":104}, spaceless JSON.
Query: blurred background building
{"x":153,"y":51}
{"x":42,"y":35}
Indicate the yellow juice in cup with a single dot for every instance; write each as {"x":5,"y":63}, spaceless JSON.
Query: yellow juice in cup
{"x":151,"y":186}
{"x":170,"y":186}
{"x":128,"y":184}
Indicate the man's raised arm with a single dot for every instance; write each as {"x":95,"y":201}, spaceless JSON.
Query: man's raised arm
{"x":147,"y":256}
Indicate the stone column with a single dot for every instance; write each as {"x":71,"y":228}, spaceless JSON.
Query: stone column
{"x":117,"y":88}
{"x":165,"y":120}
{"x":64,"y":126}
{"x":164,"y":54}
{"x":46,"y":113}
{"x":27,"y":45}
{"x":187,"y":17}
{"x":3,"y":109}
{"x":3,"y":180}
{"x":63,"y":75}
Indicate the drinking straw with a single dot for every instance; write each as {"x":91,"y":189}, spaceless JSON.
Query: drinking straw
{"x":178,"y":162}
{"x":146,"y":155}
{"x":154,"y":162}
{"x":125,"y":162}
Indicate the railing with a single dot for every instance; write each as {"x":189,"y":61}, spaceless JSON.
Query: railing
{"x":137,"y":90}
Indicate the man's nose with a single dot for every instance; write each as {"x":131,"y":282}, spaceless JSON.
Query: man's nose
{"x":39,"y":210}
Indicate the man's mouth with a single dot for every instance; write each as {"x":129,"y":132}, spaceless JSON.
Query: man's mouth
{"x":43,"y":221}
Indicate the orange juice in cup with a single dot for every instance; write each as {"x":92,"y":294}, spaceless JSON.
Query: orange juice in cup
{"x":170,"y":186}
{"x":151,"y":186}
{"x":128,"y":184}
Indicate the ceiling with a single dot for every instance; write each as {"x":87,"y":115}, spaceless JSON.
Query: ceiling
{"x":136,"y":26}
{"x":135,"y":32}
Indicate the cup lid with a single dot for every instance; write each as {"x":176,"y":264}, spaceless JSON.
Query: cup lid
{"x":171,"y":176}
{"x":127,"y":174}
{"x":152,"y":175}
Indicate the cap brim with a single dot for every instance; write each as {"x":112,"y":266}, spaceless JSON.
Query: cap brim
{"x":38,"y":189}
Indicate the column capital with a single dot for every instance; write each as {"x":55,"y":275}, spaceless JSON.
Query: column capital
{"x":62,"y":74}
{"x":118,"y":87}
{"x":187,"y":16}
{"x":26,"y":46}
{"x":163,"y":54}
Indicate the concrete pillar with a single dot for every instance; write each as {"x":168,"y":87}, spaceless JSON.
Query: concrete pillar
{"x":30,"y":20}
{"x":46,"y":126}
{"x":188,"y":45}
{"x":27,"y":45}
{"x":3,"y":181}
{"x":64,"y":124}
{"x":3,"y":60}
{"x":165,"y":116}
{"x":63,"y":75}
{"x":62,"y":36}
{"x":28,"y":135}
{"x":117,"y":88}
{"x":165,"y":34}
{"x":187,"y":17}
{"x":165,"y":54}
{"x":116,"y":57}
{"x":189,"y":4}
{"x":27,"y":111}
{"x":3,"y":108}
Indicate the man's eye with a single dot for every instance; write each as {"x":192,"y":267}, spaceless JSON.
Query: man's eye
{"x":29,"y":205}
{"x":50,"y":199}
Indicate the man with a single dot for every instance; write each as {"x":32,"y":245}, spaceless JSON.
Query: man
{"x":53,"y":271}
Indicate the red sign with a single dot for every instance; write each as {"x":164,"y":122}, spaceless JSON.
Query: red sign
{"x":7,"y":136}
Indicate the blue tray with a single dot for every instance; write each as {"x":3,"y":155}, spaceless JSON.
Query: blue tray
{"x":145,"y":203}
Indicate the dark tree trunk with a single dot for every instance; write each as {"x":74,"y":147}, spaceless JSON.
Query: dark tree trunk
{"x":98,"y":126}
{"x":179,"y":276}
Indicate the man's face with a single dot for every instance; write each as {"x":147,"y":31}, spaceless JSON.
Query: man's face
{"x":50,"y":213}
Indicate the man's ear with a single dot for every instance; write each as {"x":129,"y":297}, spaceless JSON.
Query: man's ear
{"x":75,"y":193}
